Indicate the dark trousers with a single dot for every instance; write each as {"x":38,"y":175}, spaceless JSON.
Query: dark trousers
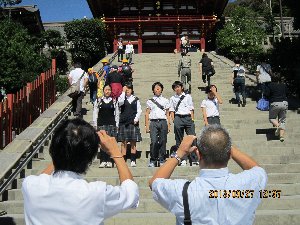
{"x":77,"y":104}
{"x":186,"y":79}
{"x":93,"y":94}
{"x":129,"y":57}
{"x":158,"y":135}
{"x":120,"y":55}
{"x":239,"y":87}
{"x":206,"y":77}
{"x":213,"y":120}
{"x":181,"y":124}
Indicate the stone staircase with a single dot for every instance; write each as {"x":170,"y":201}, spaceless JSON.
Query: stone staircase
{"x":249,"y":129}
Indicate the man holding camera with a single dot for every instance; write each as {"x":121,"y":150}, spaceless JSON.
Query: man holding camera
{"x":203,"y":201}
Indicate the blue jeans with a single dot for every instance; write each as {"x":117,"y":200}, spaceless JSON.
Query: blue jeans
{"x":239,"y":87}
{"x":93,"y":94}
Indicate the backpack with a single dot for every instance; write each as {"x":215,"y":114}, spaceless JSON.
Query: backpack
{"x":126,"y":70}
{"x":93,"y":80}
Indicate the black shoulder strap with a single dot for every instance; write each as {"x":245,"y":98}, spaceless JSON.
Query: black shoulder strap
{"x":157,"y":104}
{"x":187,"y":215}
{"x":268,"y":72}
{"x":179,"y":102}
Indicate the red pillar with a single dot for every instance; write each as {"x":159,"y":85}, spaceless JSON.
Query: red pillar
{"x":10,"y":99}
{"x":53,"y":66}
{"x":140,"y":46}
{"x":43,"y":91}
{"x":178,"y":44}
{"x":202,"y":43}
{"x":115,"y":45}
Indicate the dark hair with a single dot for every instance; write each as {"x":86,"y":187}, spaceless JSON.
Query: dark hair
{"x":276,"y":77}
{"x":204,"y":55}
{"x":129,"y":86}
{"x":159,"y":84}
{"x":214,"y":143}
{"x":207,"y":89}
{"x":106,"y":86}
{"x":183,"y":54}
{"x":237,"y":60}
{"x":176,"y":83}
{"x":74,"y":146}
{"x":77,"y":65}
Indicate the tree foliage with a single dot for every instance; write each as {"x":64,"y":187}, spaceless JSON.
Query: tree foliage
{"x":53,"y":38}
{"x":87,"y":41}
{"x":241,"y":36}
{"x":19,"y":62}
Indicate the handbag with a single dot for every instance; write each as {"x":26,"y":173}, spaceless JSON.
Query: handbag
{"x":74,"y":90}
{"x":263,"y":104}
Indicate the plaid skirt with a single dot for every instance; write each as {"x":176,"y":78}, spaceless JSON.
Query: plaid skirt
{"x":111,"y":130}
{"x":129,"y":133}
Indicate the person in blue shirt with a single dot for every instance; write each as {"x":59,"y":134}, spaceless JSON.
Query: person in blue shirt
{"x":212,"y":196}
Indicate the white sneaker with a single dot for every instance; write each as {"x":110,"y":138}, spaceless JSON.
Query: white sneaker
{"x":108,"y":165}
{"x":133,"y":164}
{"x":103,"y":165}
{"x":183,"y":163}
{"x":195,"y":163}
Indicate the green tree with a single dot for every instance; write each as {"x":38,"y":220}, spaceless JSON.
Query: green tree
{"x":87,"y":41}
{"x":19,"y":61}
{"x":241,"y":36}
{"x":53,"y":38}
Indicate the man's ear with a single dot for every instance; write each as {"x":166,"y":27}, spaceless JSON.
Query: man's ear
{"x":198,"y":153}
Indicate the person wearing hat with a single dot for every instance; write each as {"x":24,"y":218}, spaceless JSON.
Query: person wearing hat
{"x":120,"y":49}
{"x":126,"y":70}
{"x":184,"y":71}
{"x":106,"y":69}
{"x":93,"y":83}
{"x":116,"y":81}
{"x":210,"y":106}
{"x":182,"y":114}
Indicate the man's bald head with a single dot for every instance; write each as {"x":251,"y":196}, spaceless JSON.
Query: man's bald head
{"x":214,"y":145}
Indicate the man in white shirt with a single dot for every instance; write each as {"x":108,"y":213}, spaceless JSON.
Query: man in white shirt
{"x":74,"y":76}
{"x":60,"y":195}
{"x":120,"y":50}
{"x":182,"y":115}
{"x":158,"y":113}
{"x":263,"y":75}
{"x":129,"y":51}
{"x":210,"y":106}
{"x":216,"y":196}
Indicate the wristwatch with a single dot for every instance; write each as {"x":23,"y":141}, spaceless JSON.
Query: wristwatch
{"x":174,"y":155}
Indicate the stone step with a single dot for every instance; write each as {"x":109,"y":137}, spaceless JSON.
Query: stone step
{"x":263,"y":217}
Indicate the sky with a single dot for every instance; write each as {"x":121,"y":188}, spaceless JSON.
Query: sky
{"x":61,"y":10}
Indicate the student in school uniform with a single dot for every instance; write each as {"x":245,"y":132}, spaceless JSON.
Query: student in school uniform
{"x":158,"y":113}
{"x":210,"y":106}
{"x":129,"y":131}
{"x":105,"y":117}
{"x":182,"y":115}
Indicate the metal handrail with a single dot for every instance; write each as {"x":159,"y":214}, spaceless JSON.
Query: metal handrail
{"x":35,"y":150}
{"x":24,"y":161}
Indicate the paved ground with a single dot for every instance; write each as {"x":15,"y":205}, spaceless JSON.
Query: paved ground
{"x":249,"y":128}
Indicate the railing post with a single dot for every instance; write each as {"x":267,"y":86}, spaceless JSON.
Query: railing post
{"x":140,"y":46}
{"x":43,"y":92}
{"x":53,"y":67}
{"x":10,"y":99}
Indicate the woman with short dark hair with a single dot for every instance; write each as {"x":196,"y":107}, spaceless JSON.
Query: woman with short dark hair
{"x":276,"y":91}
{"x":106,"y":117}
{"x":129,"y":130}
{"x":60,"y":195}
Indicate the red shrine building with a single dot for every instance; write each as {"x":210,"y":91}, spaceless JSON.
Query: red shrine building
{"x":157,"y":26}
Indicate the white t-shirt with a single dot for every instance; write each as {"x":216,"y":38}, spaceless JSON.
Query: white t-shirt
{"x":67,"y":199}
{"x":211,"y":106}
{"x":76,"y":74}
{"x":263,"y":75}
{"x":129,"y":48}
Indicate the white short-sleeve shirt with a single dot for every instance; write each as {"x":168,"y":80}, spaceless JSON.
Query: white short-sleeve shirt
{"x":156,"y":112}
{"x":76,"y":74}
{"x":67,"y":199}
{"x":185,"y":107}
{"x":211,"y":106}
{"x":213,"y":211}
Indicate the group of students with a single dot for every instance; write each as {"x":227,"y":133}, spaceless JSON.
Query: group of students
{"x":120,"y":117}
